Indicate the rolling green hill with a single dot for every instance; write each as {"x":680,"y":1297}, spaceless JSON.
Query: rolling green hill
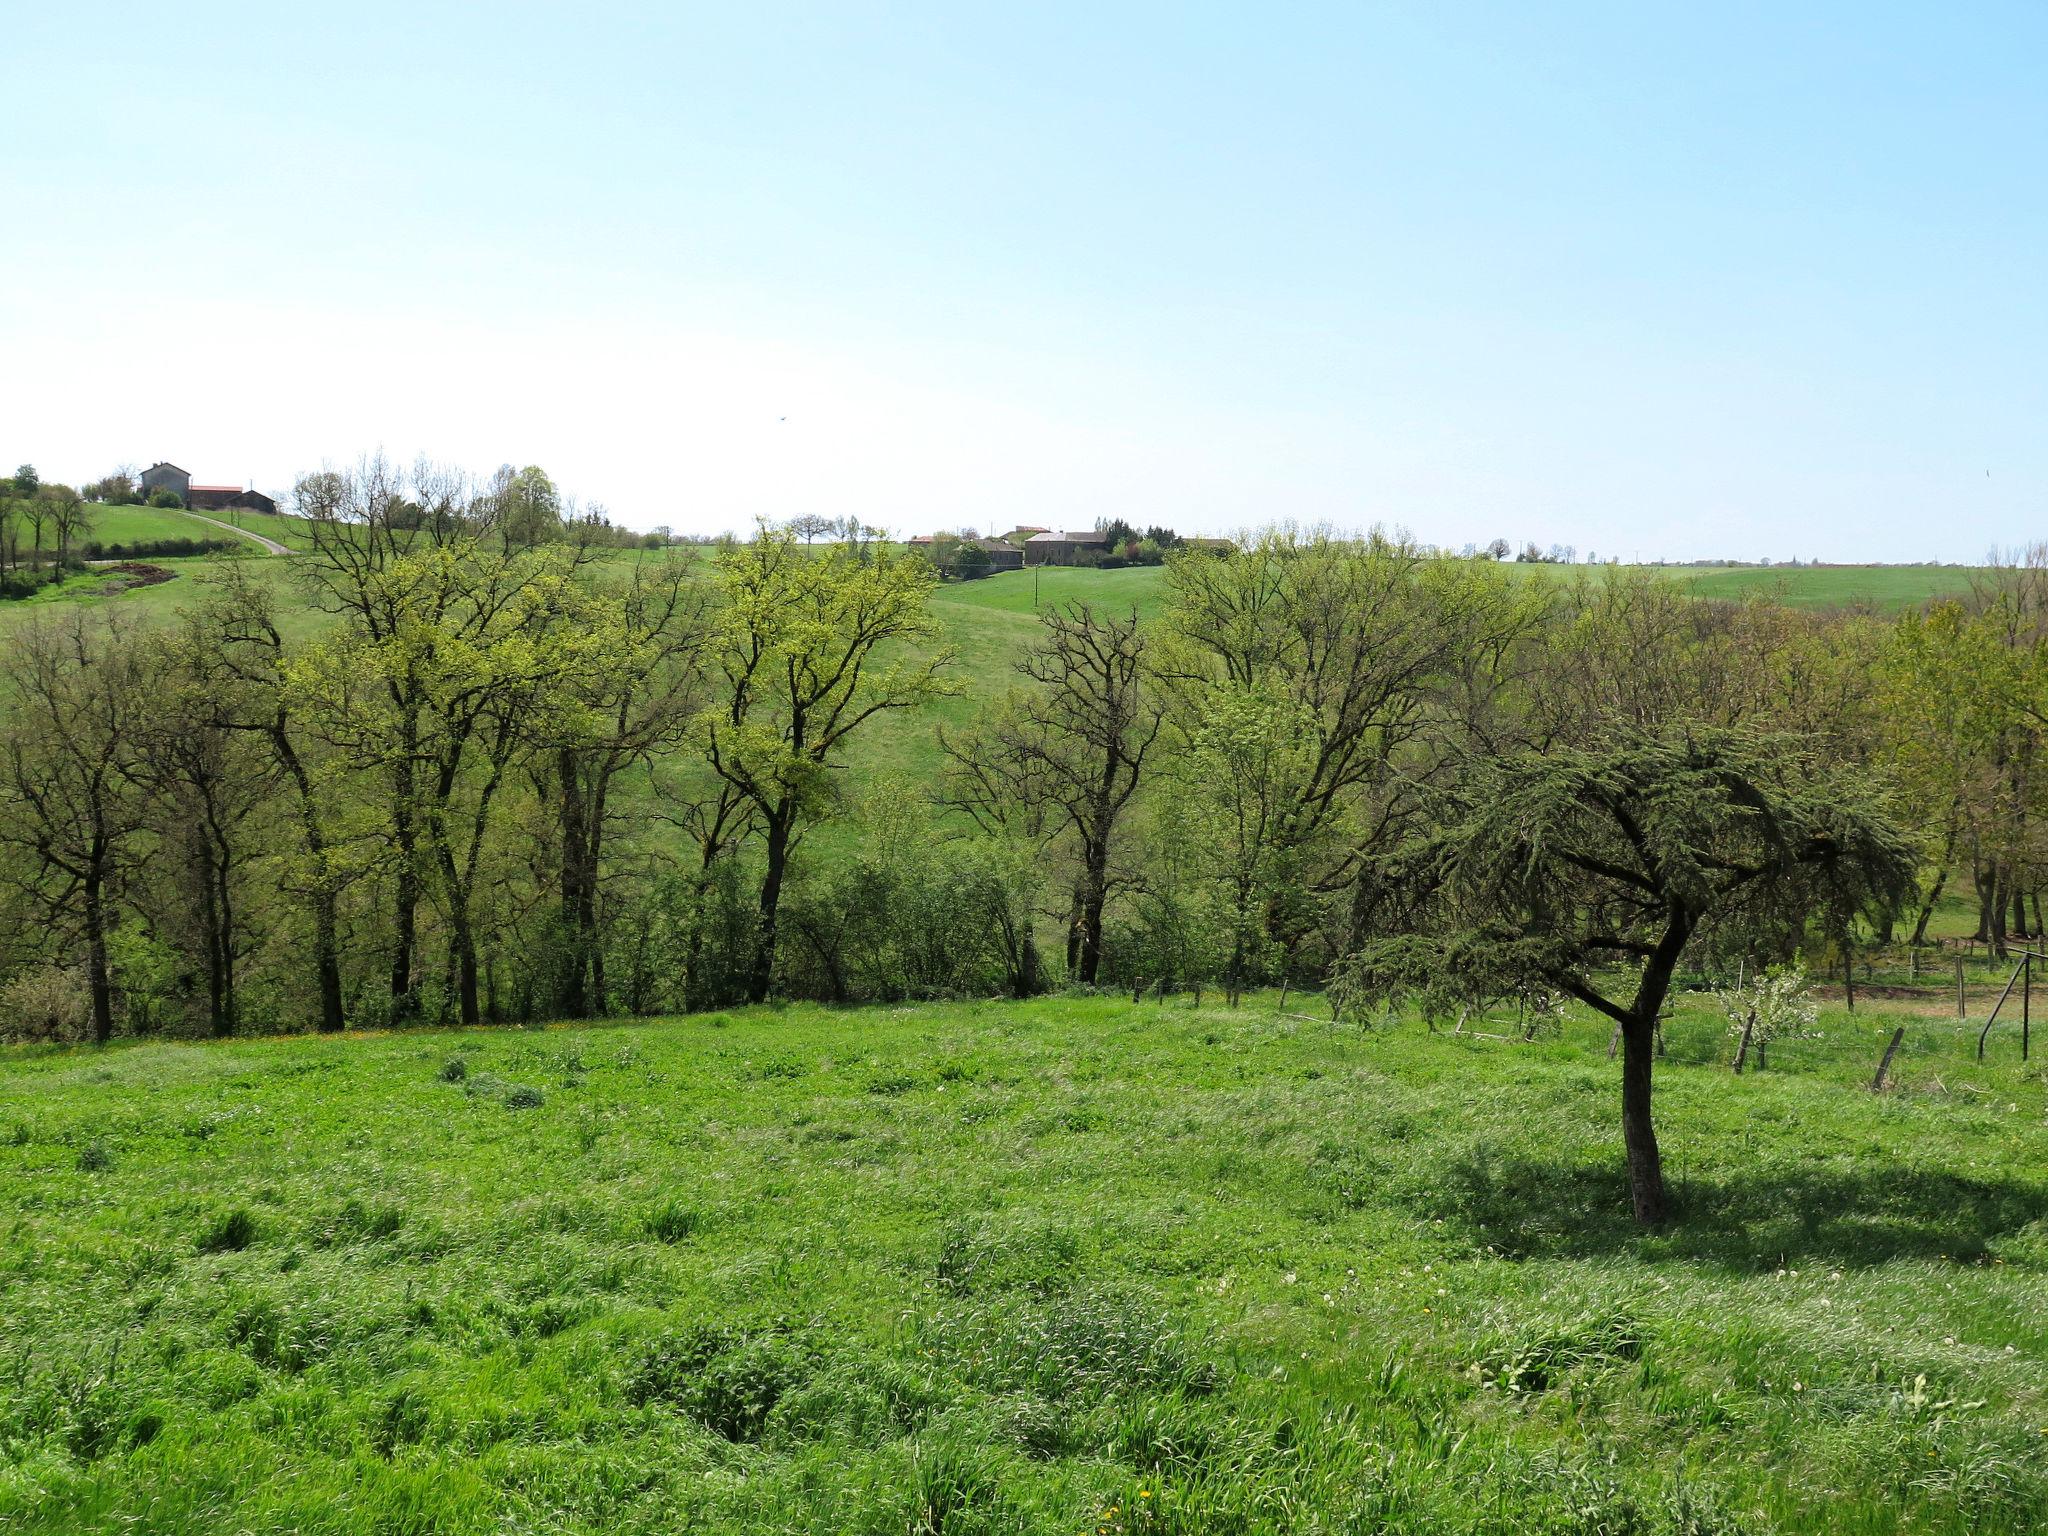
{"x":137,"y":525}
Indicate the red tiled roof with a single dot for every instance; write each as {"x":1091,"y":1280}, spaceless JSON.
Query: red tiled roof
{"x":232,"y":490}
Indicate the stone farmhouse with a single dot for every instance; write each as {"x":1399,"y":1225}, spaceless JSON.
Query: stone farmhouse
{"x":202,"y":498}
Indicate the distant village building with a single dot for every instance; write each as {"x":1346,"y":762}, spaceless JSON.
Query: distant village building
{"x":225,"y":498}
{"x":201,"y":498}
{"x":1002,"y":554}
{"x":165,"y":477}
{"x":1023,"y":531}
{"x":1051,"y":548}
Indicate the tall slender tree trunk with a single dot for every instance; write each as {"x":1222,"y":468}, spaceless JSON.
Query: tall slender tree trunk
{"x":573,"y":993}
{"x":230,"y":1006}
{"x":1025,"y":983}
{"x":210,"y":935}
{"x":1638,"y":1062}
{"x":463,"y":937}
{"x":326,"y":904}
{"x":98,"y":976}
{"x":1638,"y":1129}
{"x":1927,"y":906}
{"x":780,"y":823}
{"x":406,"y":897}
{"x":327,"y":951}
{"x":1095,"y":891}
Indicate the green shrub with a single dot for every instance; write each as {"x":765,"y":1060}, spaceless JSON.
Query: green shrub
{"x":673,"y":1221}
{"x":231,"y":1232}
{"x":1072,"y":1346}
{"x":47,"y":1003}
{"x":727,"y":1379}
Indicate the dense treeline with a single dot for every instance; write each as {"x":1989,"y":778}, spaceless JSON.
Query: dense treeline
{"x":515,"y":773}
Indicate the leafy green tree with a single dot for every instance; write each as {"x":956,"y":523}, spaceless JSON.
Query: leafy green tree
{"x":204,"y":782}
{"x":1371,"y":644}
{"x":1241,"y":776}
{"x":811,"y":647}
{"x":1067,"y":753}
{"x":436,"y":686}
{"x":1182,"y":922}
{"x":75,"y":695}
{"x":622,"y":718}
{"x":236,"y":647}
{"x":1589,"y":869}
{"x":525,"y":506}
{"x":70,"y":519}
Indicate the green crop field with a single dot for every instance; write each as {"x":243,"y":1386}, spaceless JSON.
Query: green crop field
{"x":1885,"y":588}
{"x":1069,"y":1266}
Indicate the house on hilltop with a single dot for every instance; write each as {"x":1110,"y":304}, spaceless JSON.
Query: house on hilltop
{"x":202,"y":498}
{"x":165,"y":477}
{"x":1051,"y":548}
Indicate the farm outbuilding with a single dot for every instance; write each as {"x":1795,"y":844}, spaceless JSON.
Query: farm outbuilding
{"x":1002,"y":554}
{"x":1063,"y":548}
{"x":226,"y":498}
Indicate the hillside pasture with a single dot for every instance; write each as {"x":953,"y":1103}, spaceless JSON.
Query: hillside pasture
{"x":1073,"y":1265}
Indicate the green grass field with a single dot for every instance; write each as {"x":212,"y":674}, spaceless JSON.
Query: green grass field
{"x":1885,"y":588}
{"x":1070,"y":1266}
{"x":133,"y":525}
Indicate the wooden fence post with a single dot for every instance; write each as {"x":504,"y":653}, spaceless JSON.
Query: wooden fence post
{"x":2011,"y":982}
{"x":1742,"y":1050}
{"x":1962,"y":1010}
{"x":1877,"y":1082}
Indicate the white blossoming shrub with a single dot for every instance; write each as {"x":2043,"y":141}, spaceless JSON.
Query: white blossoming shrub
{"x":1775,"y":1004}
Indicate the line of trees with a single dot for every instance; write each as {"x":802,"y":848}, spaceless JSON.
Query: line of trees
{"x":470,"y":764}
{"x":42,"y":528}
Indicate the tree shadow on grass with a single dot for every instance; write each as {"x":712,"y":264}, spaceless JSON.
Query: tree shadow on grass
{"x":1533,"y":1208}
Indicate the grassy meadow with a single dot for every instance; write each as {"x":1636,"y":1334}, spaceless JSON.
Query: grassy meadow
{"x":1069,"y":1266}
{"x":1884,"y":588}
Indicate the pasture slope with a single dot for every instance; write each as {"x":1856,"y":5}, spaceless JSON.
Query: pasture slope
{"x":1067,"y":1266}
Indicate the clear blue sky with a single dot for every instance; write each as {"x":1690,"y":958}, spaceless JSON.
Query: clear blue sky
{"x":1678,"y":280}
